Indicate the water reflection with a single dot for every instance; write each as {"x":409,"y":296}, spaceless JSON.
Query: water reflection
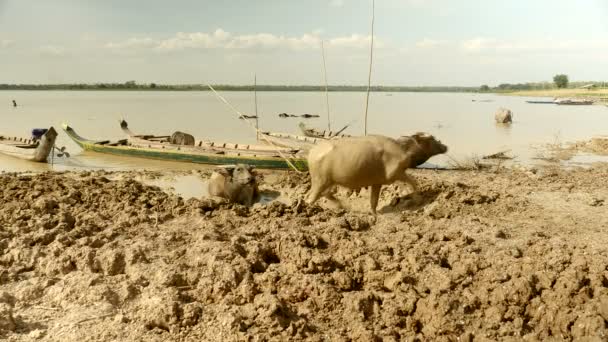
{"x":504,"y":130}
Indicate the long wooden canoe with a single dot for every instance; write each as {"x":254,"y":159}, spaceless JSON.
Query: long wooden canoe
{"x":304,"y":142}
{"x":573,"y":102}
{"x":288,"y":140}
{"x":29,"y":149}
{"x":157,"y":149}
{"x":294,"y":141}
{"x":164,"y":140}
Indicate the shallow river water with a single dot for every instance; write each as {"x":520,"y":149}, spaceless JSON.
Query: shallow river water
{"x":464,"y":122}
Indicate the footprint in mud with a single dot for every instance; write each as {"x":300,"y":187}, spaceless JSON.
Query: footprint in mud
{"x":266,"y":196}
{"x":411,"y":201}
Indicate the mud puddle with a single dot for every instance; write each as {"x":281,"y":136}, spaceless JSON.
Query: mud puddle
{"x":585,"y":160}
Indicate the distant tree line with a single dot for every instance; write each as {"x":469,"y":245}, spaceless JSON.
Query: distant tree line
{"x":560,"y":81}
{"x":132,"y":85}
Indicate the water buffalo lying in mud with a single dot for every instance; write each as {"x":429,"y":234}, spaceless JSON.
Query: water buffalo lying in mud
{"x":503,"y":116}
{"x":372,"y":160}
{"x":236,"y":183}
{"x":181,"y":138}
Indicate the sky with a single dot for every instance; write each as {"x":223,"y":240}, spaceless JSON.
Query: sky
{"x":416,"y":42}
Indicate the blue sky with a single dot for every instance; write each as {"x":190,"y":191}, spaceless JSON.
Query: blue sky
{"x":419,"y":42}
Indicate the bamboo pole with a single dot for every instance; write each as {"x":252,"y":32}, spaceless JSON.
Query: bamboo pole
{"x":326,"y":90}
{"x":240,"y":115}
{"x":255,"y":97}
{"x":369,"y":76}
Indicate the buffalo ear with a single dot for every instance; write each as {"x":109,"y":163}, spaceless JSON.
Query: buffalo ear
{"x":404,"y":138}
{"x":421,"y":137}
{"x":418,"y":135}
{"x":250,"y":168}
{"x":226,"y":170}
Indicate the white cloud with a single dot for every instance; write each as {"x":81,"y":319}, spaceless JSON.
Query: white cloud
{"x":354,"y":41}
{"x":478,"y":44}
{"x":132,"y":43}
{"x":430,"y":43}
{"x":545,"y":45}
{"x":220,"y":39}
{"x":408,"y":3}
{"x":5,"y":43}
{"x":489,"y":46}
{"x":416,"y":2}
{"x":51,"y":50}
{"x":194,"y":40}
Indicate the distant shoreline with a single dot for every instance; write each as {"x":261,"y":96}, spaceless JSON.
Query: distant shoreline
{"x":196,"y":87}
{"x":601,"y":93}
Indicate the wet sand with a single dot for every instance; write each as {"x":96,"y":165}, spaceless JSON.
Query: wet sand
{"x":485,"y":255}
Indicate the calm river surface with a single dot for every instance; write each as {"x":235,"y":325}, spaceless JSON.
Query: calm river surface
{"x":461,"y":121}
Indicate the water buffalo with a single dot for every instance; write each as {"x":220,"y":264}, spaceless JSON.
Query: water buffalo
{"x":181,"y":138}
{"x":503,"y":116}
{"x":236,"y":183}
{"x":373,"y":160}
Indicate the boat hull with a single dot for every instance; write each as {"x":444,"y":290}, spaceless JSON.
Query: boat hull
{"x":541,"y":102}
{"x":26,"y":150}
{"x":289,"y":140}
{"x":188,"y":155}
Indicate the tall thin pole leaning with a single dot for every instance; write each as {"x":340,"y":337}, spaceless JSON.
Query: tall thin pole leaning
{"x":326,"y":91}
{"x":255,"y":98}
{"x":369,"y":77}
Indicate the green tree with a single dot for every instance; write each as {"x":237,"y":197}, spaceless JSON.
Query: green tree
{"x":484,"y":88}
{"x":561,"y":80}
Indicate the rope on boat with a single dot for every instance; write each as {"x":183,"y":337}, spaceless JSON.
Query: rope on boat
{"x":255,"y":128}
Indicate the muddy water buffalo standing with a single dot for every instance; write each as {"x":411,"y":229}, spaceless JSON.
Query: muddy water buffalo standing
{"x":181,"y":138}
{"x":503,"y":116}
{"x":236,"y":183}
{"x":373,"y":160}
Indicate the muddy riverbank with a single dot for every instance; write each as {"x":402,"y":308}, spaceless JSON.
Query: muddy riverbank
{"x":102,"y":256}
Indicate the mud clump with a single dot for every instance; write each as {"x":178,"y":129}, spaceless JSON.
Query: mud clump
{"x":476,"y":256}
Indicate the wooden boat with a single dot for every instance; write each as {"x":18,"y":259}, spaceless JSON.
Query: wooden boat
{"x":315,"y":133}
{"x":541,"y":102}
{"x":296,"y":141}
{"x":164,"y":140}
{"x":36,"y":150}
{"x":289,"y":140}
{"x":158,"y":147}
{"x":573,"y":102}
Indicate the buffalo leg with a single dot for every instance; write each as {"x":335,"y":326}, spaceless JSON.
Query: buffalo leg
{"x":316,"y":190}
{"x":374,"y":196}
{"x":409,"y":180}
{"x":332,"y":198}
